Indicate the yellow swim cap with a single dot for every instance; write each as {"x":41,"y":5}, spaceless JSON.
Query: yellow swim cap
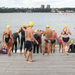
{"x":8,"y":26}
{"x":53,"y":29}
{"x":4,"y":42}
{"x":35,"y":31}
{"x":71,"y":41}
{"x":55,"y":46}
{"x":23,"y":24}
{"x":31,"y":23}
{"x":65,"y":26}
{"x":17,"y":31}
{"x":47,"y":26}
{"x":39,"y":30}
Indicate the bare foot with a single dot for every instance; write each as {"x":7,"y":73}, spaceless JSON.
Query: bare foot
{"x":64,"y":53}
{"x":9,"y":54}
{"x":24,"y":56}
{"x":32,"y":60}
{"x":67,"y":53}
{"x":47,"y":55}
{"x":42,"y":55}
{"x":28,"y":62}
{"x":20,"y":52}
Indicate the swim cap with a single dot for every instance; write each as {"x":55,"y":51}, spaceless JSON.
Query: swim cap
{"x":55,"y":46}
{"x":53,"y":29}
{"x":65,"y":26}
{"x":71,"y":41}
{"x":31,"y":23}
{"x":35,"y":31}
{"x":39,"y":30}
{"x":8,"y":26}
{"x":23,"y":24}
{"x":47,"y":26}
{"x":17,"y":31}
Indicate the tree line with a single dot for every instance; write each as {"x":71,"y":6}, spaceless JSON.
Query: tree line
{"x":10,"y":10}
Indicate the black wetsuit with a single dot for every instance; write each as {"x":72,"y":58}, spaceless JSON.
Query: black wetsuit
{"x":37,"y":37}
{"x":15,"y":36}
{"x":72,"y":47}
{"x":22,"y":38}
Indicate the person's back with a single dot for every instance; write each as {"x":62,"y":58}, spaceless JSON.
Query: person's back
{"x":15,"y":36}
{"x":54,"y":35}
{"x":37,"y":37}
{"x":29,"y":34}
{"x":23,"y":32}
{"x":47,"y":33}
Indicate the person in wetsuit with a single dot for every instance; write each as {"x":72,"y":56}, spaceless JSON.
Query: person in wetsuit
{"x":8,"y":39}
{"x":72,"y":47}
{"x":65,"y":38}
{"x":40,"y":32}
{"x":22,"y":37}
{"x":37,"y":37}
{"x":15,"y":36}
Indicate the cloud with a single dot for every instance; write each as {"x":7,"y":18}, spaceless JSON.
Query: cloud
{"x":37,"y":3}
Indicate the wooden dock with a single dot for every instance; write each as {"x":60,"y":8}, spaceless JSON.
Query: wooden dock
{"x":55,"y":64}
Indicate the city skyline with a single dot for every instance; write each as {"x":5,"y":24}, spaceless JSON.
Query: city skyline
{"x":37,"y":3}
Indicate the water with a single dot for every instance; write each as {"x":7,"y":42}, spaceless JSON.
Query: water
{"x":55,"y":20}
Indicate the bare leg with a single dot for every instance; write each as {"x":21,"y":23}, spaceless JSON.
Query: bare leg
{"x":48,"y":49}
{"x":59,"y":47}
{"x":64,"y":47}
{"x":43,"y":49}
{"x":53,"y":48}
{"x":40,"y":47}
{"x":28,"y":54}
{"x":31,"y":56}
{"x":25,"y":52}
{"x":67,"y":47}
{"x":11,"y":46}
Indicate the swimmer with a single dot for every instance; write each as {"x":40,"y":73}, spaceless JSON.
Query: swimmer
{"x":15,"y":36}
{"x":53,"y":40}
{"x":47,"y":33}
{"x":28,"y":42}
{"x":60,"y":43}
{"x":40,"y":32}
{"x":65,"y":38}
{"x":8,"y":39}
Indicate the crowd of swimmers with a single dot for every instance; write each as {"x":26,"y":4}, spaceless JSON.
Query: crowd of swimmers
{"x":27,"y":37}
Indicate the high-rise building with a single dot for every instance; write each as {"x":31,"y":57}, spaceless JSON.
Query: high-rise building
{"x":42,"y":6}
{"x":48,"y":7}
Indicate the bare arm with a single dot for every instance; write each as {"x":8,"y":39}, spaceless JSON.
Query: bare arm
{"x":11,"y":35}
{"x":34,"y":38}
{"x":19,"y":30}
{"x":23,"y":28}
{"x":70,"y":32}
{"x":3,"y":36}
{"x":43,"y":33}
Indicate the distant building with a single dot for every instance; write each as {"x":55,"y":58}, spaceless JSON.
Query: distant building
{"x":48,"y":7}
{"x":42,"y":6}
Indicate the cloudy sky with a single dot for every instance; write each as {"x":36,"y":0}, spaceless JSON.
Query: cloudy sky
{"x":37,"y":3}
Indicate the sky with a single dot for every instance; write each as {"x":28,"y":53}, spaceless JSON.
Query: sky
{"x":37,"y":3}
